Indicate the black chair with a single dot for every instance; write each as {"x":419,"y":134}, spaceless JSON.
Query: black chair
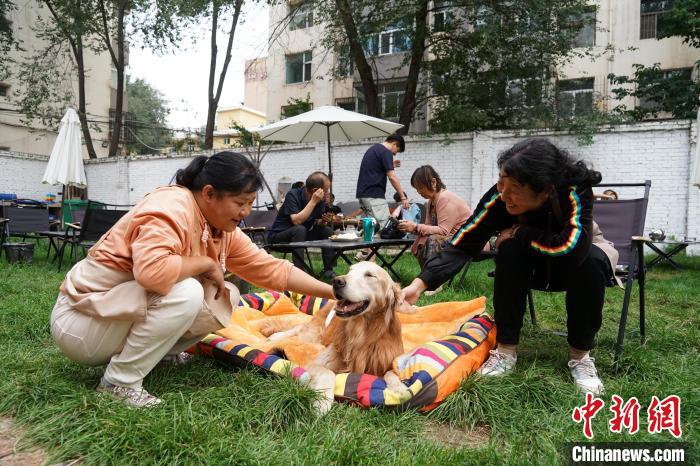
{"x":348,"y":207}
{"x":3,"y":232}
{"x":622,"y":223}
{"x":257,"y":223}
{"x":98,"y":219}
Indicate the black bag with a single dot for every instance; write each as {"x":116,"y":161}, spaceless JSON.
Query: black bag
{"x":390,"y":230}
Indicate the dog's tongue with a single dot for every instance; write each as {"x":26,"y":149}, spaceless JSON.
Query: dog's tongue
{"x":345,"y":306}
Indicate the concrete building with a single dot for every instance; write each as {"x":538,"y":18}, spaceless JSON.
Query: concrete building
{"x":224,"y":135}
{"x":299,"y":66}
{"x":101,"y":83}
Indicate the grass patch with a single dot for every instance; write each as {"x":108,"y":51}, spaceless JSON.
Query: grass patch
{"x":216,"y":416}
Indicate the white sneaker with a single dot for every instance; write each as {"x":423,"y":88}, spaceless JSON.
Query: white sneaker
{"x":498,"y":363}
{"x":585,"y":375}
{"x":435,"y":291}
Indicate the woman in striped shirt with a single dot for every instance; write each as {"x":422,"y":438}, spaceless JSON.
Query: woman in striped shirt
{"x":541,"y":211}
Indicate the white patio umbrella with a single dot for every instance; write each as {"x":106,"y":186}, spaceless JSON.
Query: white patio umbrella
{"x":695,"y":175}
{"x":66,"y":161}
{"x":328,"y":124}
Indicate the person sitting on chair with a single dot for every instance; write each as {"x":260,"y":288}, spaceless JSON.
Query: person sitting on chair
{"x":300,"y":219}
{"x":445,"y":213}
{"x":542,"y":205}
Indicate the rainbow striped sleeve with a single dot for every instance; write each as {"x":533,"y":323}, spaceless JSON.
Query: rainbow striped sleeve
{"x":476,"y":220}
{"x":574,"y":233}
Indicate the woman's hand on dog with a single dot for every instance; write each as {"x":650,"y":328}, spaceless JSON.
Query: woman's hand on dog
{"x":412,"y":292}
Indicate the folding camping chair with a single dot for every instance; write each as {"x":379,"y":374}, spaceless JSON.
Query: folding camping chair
{"x":98,"y":219}
{"x":622,"y":223}
{"x":257,"y":223}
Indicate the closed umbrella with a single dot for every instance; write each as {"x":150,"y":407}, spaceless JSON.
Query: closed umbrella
{"x":328,"y":124}
{"x":66,"y":161}
{"x":695,"y":175}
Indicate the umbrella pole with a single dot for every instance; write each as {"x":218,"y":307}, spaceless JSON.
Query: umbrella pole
{"x":330,"y":165}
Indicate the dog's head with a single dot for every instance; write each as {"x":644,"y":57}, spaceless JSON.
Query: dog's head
{"x":366,"y":289}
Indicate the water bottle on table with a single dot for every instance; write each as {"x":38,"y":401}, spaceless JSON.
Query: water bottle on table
{"x":368,"y":228}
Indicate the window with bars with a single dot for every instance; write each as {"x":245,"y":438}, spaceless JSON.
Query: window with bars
{"x":302,"y":16}
{"x":651,"y":18}
{"x":575,"y":97}
{"x":298,"y":67}
{"x":4,"y":90}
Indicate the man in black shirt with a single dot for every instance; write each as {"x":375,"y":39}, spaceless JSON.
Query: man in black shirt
{"x":377,"y":166}
{"x":299,"y":219}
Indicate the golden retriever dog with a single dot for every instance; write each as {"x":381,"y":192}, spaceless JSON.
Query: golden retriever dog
{"x":361,"y":331}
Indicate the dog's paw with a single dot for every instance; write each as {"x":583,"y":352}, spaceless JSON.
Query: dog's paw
{"x":267,"y":331}
{"x":277,"y":336}
{"x":323,"y":404}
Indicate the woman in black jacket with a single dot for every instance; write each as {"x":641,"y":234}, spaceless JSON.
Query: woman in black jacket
{"x":541,"y":211}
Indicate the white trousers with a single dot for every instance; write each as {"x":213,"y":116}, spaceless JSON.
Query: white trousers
{"x":131,"y":349}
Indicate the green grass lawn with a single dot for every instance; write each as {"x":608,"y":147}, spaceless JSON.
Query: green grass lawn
{"x":212,"y":415}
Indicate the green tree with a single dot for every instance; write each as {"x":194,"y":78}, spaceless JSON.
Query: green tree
{"x":148,"y":111}
{"x":501,"y":71}
{"x":461,"y":54}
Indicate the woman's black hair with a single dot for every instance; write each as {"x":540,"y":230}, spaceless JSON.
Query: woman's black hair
{"x":540,"y":164}
{"x":225,"y":171}
{"x":423,"y":176}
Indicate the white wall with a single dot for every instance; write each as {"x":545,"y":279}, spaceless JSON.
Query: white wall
{"x":659,"y":151}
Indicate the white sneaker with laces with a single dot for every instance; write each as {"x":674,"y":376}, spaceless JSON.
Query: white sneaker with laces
{"x":498,"y":363}
{"x":585,"y":375}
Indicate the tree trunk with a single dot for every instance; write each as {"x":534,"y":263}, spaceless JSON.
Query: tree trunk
{"x":417,"y":50}
{"x":213,"y":98}
{"x":119,"y":65}
{"x":369,"y":86}
{"x":81,"y":100}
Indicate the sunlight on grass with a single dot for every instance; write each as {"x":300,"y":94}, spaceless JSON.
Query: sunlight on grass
{"x":212,"y":415}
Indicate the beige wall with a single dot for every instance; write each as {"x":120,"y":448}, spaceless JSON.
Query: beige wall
{"x":246,"y":117}
{"x":37,"y":139}
{"x":256,"y":84}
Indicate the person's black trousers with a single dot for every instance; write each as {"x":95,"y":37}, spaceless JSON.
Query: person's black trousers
{"x":300,"y":233}
{"x":518,"y":269}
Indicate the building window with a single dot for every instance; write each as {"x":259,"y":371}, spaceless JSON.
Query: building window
{"x":441,"y":14}
{"x":651,"y":18}
{"x":302,"y":16}
{"x":585,"y":24}
{"x":391,"y":99}
{"x":677,"y":79}
{"x":4,"y":149}
{"x":4,"y":90}
{"x":227,"y":140}
{"x":575,"y":97}
{"x":345,"y":66}
{"x":524,"y":92}
{"x":394,"y":40}
{"x":298,"y":67}
{"x":347,"y":103}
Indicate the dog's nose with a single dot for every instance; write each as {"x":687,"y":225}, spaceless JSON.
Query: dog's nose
{"x":338,"y":283}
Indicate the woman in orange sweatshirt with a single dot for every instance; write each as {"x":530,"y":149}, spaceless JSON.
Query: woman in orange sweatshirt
{"x":153,"y":285}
